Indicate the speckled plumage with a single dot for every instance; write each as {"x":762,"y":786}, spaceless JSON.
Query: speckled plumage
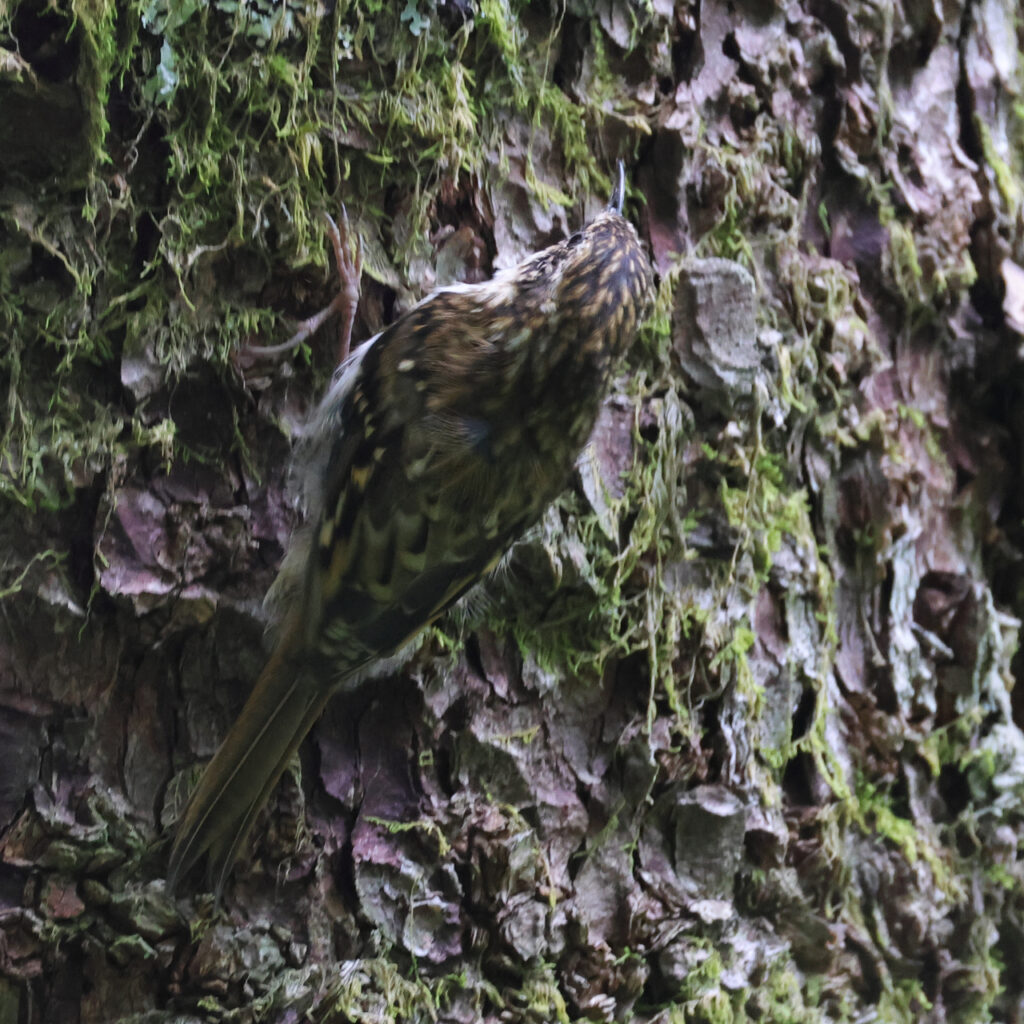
{"x":442,"y":440}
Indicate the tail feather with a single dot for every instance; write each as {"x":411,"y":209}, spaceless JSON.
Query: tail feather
{"x":284,"y":704}
{"x":222,"y":855}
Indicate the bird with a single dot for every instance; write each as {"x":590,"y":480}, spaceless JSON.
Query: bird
{"x":441,"y":440}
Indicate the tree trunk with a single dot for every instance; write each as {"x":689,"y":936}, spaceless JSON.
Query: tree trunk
{"x":733,"y":737}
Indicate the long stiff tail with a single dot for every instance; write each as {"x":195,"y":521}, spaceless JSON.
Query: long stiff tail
{"x":285,"y":702}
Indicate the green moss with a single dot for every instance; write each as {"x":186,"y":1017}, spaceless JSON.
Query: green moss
{"x":873,"y":813}
{"x":375,"y":989}
{"x":782,"y":997}
{"x":782,"y":1000}
{"x":263,"y":119}
{"x":1008,"y":179}
{"x":753,"y":204}
{"x":540,"y":997}
{"x":925,"y":286}
{"x":428,"y":829}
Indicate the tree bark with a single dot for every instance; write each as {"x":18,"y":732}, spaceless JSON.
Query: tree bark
{"x":734,"y":735}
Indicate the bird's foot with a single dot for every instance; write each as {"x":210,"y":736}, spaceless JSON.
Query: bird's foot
{"x":348,"y":257}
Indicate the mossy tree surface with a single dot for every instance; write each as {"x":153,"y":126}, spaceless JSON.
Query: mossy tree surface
{"x":734,"y":737}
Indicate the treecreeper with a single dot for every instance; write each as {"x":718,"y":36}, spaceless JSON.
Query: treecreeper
{"x":441,"y":441}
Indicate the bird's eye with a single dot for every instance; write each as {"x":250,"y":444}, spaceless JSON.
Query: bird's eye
{"x":574,"y":239}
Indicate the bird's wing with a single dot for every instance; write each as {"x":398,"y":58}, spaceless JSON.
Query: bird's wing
{"x":412,"y":514}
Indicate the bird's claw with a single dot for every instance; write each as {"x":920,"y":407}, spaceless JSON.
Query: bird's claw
{"x":348,"y":258}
